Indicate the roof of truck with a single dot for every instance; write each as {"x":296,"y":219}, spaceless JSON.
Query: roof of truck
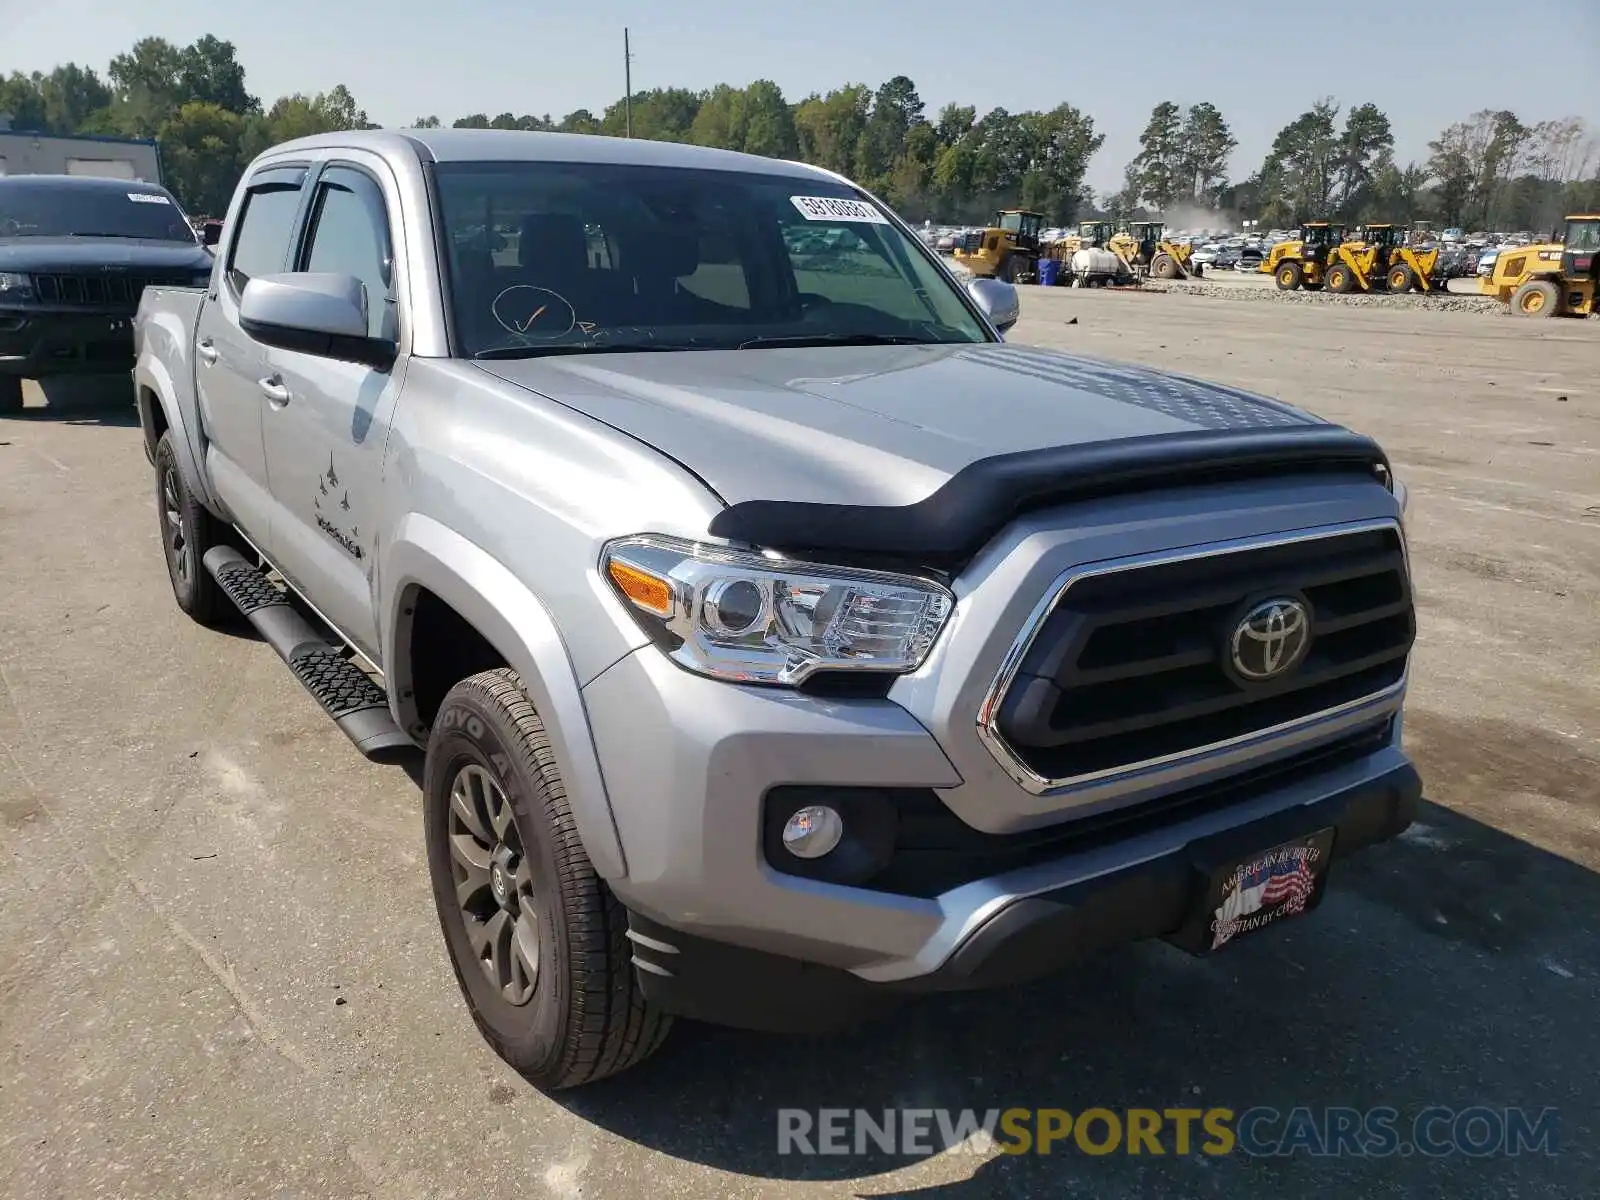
{"x":513,"y":145}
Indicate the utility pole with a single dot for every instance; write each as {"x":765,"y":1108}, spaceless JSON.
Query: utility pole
{"x":627,"y":81}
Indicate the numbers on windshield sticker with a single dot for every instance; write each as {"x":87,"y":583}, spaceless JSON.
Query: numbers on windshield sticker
{"x":828,"y":208}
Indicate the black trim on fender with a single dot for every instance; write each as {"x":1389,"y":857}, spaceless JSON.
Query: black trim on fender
{"x":947,"y":528}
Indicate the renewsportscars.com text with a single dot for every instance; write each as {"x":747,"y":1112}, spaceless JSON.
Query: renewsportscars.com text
{"x":1479,"y":1131}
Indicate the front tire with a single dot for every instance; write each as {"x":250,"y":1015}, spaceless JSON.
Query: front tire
{"x":1536,"y":298}
{"x":1288,"y":276}
{"x":1341,"y":279}
{"x":10,"y":393}
{"x":1164,"y":266}
{"x":537,"y":941}
{"x":1401,"y":279}
{"x":187,"y":532}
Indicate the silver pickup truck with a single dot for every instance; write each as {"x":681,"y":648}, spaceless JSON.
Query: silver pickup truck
{"x":782,"y":642}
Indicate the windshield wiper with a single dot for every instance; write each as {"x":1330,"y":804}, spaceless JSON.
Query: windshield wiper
{"x":575,"y":348}
{"x":839,"y":339}
{"x":140,"y":237}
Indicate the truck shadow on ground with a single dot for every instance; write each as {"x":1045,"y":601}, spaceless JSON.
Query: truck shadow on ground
{"x":79,"y":400}
{"x":1455,"y":966}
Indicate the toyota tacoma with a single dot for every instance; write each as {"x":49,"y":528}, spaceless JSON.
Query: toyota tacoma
{"x":782,"y":642}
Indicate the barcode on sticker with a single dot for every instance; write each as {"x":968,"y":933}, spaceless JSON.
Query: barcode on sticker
{"x":828,"y":208}
{"x":148,"y":198}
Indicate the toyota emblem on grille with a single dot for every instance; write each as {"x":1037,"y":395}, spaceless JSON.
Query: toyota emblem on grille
{"x":1271,"y":639}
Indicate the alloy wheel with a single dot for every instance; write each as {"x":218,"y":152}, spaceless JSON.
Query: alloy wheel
{"x":494,"y":884}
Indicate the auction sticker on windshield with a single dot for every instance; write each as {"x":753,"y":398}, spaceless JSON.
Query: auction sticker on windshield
{"x":828,"y":208}
{"x":147,"y":198}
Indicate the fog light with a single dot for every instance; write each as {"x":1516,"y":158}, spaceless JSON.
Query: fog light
{"x":812,"y":831}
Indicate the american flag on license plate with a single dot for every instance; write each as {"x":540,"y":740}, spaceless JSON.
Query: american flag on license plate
{"x":1290,"y":885}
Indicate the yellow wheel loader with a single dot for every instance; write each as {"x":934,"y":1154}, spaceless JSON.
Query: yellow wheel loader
{"x":1008,"y":249}
{"x":1550,"y":279}
{"x":1303,"y":260}
{"x":1397,"y":264}
{"x":1156,"y":256}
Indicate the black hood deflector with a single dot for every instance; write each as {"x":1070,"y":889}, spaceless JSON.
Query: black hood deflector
{"x":944,"y":530}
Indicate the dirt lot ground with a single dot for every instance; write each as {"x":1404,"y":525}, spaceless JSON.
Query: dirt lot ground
{"x":220,"y":973}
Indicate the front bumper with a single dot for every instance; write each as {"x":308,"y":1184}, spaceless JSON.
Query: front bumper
{"x":39,"y":342}
{"x":1017,"y":939}
{"x":719,"y":933}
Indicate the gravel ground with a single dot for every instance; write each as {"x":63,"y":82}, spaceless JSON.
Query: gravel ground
{"x":1237,"y":289}
{"x":221,"y":975}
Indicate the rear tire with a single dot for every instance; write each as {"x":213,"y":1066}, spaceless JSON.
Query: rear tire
{"x":1164,"y":266}
{"x":543,"y":961}
{"x":188,"y":530}
{"x":1536,"y":298}
{"x":1401,"y":279}
{"x":10,"y":393}
{"x":1288,"y":276}
{"x":1340,"y":279}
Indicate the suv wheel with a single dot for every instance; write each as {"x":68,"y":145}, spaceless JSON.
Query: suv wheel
{"x":538,"y":942}
{"x":187,"y":532}
{"x":10,"y":393}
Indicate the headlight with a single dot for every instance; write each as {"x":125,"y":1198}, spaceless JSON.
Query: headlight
{"x":14,"y":286}
{"x":752,"y":619}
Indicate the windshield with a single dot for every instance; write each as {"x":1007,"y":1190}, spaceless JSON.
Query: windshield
{"x":34,"y":208}
{"x":1011,"y":222}
{"x":1583,"y":236}
{"x":562,"y":257}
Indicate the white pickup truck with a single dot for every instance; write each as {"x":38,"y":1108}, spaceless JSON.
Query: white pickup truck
{"x":782,"y":642}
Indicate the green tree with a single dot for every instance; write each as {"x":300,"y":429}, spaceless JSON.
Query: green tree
{"x":200,"y":148}
{"x":71,"y":94}
{"x":895,"y":109}
{"x":1159,"y":167}
{"x":662,"y":115}
{"x":1365,"y":146}
{"x":769,"y":122}
{"x":579,"y":121}
{"x":425,"y":123}
{"x":148,"y":82}
{"x":22,"y":99}
{"x":209,"y":72}
{"x":1296,"y":181}
{"x":829,"y":127}
{"x":1205,"y":145}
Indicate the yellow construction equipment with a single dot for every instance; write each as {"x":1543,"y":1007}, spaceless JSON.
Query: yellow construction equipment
{"x":1550,"y":279}
{"x":1389,"y":259}
{"x":1156,"y":256}
{"x":1008,"y":249}
{"x":1303,"y":260}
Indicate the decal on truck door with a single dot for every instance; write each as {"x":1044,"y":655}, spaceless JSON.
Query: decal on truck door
{"x":328,"y":488}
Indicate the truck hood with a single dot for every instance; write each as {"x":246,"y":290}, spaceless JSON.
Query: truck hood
{"x":876,"y":425}
{"x":80,"y":254}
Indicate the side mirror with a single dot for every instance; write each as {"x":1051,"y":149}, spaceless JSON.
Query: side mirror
{"x":211,"y":233}
{"x":314,"y":313}
{"x":999,"y":301}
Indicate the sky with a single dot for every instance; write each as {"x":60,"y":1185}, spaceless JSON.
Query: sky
{"x":1427,"y":63}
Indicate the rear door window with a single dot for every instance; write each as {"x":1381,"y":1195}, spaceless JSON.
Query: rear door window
{"x":266,"y":225}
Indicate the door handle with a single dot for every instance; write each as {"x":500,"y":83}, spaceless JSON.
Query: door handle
{"x":207,"y":351}
{"x":274,"y":389}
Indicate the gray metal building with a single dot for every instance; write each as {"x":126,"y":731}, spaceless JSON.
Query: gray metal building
{"x":25,"y":153}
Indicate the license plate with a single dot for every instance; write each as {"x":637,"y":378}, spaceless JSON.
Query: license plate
{"x":1265,"y":888}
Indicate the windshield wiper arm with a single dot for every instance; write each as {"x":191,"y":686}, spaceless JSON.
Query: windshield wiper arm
{"x":838,"y":339}
{"x":574,"y":348}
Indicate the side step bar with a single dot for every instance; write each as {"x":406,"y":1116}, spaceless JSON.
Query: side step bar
{"x":346,"y":692}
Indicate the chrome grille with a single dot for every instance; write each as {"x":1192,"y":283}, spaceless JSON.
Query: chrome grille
{"x":1128,"y":666}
